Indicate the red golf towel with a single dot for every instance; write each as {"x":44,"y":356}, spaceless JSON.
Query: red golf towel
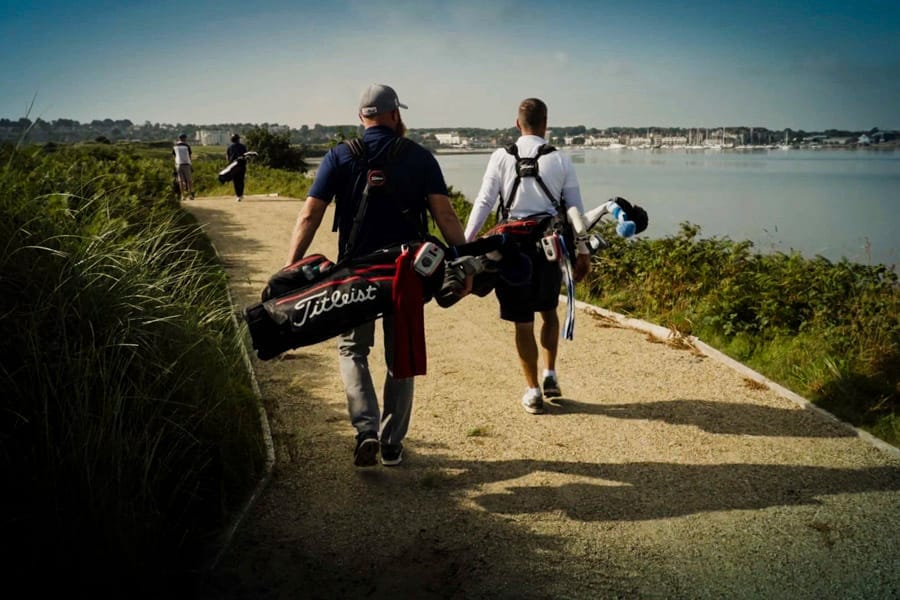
{"x":409,"y":320}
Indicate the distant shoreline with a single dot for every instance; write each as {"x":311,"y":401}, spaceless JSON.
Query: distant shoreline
{"x":446,"y":151}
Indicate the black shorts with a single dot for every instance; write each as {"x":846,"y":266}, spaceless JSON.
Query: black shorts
{"x":519,"y":303}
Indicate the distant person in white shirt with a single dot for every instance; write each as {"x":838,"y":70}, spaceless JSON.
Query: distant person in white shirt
{"x":531,"y":200}
{"x":182,"y":153}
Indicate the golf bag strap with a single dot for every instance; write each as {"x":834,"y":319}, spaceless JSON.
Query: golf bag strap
{"x":358,"y":151}
{"x":532,"y":162}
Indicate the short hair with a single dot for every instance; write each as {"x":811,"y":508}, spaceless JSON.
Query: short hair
{"x":182,"y":136}
{"x":532,"y":113}
{"x":235,"y":138}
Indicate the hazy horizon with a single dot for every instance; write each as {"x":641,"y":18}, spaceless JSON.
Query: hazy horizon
{"x":818,"y":66}
{"x":140,"y":122}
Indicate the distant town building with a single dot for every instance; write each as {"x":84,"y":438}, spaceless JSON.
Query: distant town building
{"x":673,"y":140}
{"x":448,"y":139}
{"x":600,"y":140}
{"x":213,"y":137}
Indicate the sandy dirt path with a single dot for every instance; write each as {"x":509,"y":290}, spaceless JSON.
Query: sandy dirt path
{"x":661,"y":473}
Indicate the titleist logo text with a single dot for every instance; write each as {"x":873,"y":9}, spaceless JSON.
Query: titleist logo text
{"x":325,"y":302}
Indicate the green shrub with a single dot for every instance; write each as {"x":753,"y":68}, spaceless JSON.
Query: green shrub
{"x":275,"y":149}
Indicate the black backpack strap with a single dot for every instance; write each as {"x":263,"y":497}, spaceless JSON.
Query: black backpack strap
{"x":504,"y":206}
{"x":526,"y":167}
{"x":376,"y":177}
{"x":357,"y":148}
{"x":358,"y":151}
{"x":414,"y":217}
{"x":543,"y":150}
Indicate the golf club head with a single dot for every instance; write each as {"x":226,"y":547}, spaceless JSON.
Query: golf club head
{"x":593,"y":216}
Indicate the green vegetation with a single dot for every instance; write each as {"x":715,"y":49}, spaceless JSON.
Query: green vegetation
{"x":128,"y":432}
{"x":828,"y":331}
{"x":275,"y":150}
{"x":477,"y":432}
{"x":207,"y":162}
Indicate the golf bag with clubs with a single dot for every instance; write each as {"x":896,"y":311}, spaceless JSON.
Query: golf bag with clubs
{"x":227,"y":174}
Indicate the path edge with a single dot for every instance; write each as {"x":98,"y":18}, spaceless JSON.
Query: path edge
{"x":224,"y":541}
{"x":665,"y":334}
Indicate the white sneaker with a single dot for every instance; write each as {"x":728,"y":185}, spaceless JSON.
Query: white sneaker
{"x":239,"y":198}
{"x":533,"y":401}
{"x":551,"y":387}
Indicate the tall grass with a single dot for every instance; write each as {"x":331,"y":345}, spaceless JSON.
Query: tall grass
{"x":128,"y":432}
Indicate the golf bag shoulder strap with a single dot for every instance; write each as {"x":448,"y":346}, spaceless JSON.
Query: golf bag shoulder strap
{"x":526,"y":167}
{"x":358,"y":148}
{"x":369,"y":178}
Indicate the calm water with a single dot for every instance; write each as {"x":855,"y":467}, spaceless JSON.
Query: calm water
{"x":830,"y":203}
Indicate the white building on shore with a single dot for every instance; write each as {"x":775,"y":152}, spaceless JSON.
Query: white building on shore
{"x":213,"y":137}
{"x":449,"y":139}
{"x":600,"y":140}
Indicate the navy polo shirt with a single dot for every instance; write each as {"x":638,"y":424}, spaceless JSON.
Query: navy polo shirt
{"x":414,"y":175}
{"x":235,"y":150}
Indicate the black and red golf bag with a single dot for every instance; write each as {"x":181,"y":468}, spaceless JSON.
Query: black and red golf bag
{"x":314,"y":300}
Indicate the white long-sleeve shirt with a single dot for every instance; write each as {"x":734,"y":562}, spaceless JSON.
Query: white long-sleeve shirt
{"x":555,"y":169}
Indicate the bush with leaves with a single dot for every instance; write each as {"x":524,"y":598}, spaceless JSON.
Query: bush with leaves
{"x":275,"y":149}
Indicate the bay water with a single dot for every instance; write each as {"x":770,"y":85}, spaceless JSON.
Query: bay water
{"x":831,"y":203}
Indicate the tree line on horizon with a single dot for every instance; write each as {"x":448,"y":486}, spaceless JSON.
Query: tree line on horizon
{"x":115,"y":130}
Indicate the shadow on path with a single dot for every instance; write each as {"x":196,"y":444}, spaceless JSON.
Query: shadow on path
{"x":647,"y":490}
{"x":717,"y":417}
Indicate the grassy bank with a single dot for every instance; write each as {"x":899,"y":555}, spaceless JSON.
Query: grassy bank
{"x":828,"y":331}
{"x":128,"y":433}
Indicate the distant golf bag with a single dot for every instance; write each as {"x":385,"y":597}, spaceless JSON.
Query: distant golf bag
{"x":314,"y":300}
{"x":227,"y":174}
{"x":176,"y":185}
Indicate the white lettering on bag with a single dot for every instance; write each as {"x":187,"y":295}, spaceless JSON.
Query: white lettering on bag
{"x":325,"y":302}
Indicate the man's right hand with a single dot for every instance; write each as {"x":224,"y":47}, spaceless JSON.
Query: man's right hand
{"x":582,"y":266}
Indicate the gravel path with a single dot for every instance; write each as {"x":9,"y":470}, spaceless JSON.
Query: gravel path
{"x":662,"y":473}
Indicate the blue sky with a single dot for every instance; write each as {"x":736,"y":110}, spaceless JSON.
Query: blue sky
{"x":809,"y":65}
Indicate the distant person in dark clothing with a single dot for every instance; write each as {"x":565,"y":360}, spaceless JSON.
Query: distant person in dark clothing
{"x":235,"y":151}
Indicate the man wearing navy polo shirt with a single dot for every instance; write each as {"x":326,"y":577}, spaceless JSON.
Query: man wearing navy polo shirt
{"x":417,"y":186}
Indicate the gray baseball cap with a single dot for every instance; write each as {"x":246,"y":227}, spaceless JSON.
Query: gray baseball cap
{"x":379,"y":99}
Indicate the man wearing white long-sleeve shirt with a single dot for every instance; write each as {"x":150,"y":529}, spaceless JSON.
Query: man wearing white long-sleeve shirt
{"x":529,"y":198}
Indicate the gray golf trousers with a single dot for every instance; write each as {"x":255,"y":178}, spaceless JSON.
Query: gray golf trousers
{"x":362,"y":402}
